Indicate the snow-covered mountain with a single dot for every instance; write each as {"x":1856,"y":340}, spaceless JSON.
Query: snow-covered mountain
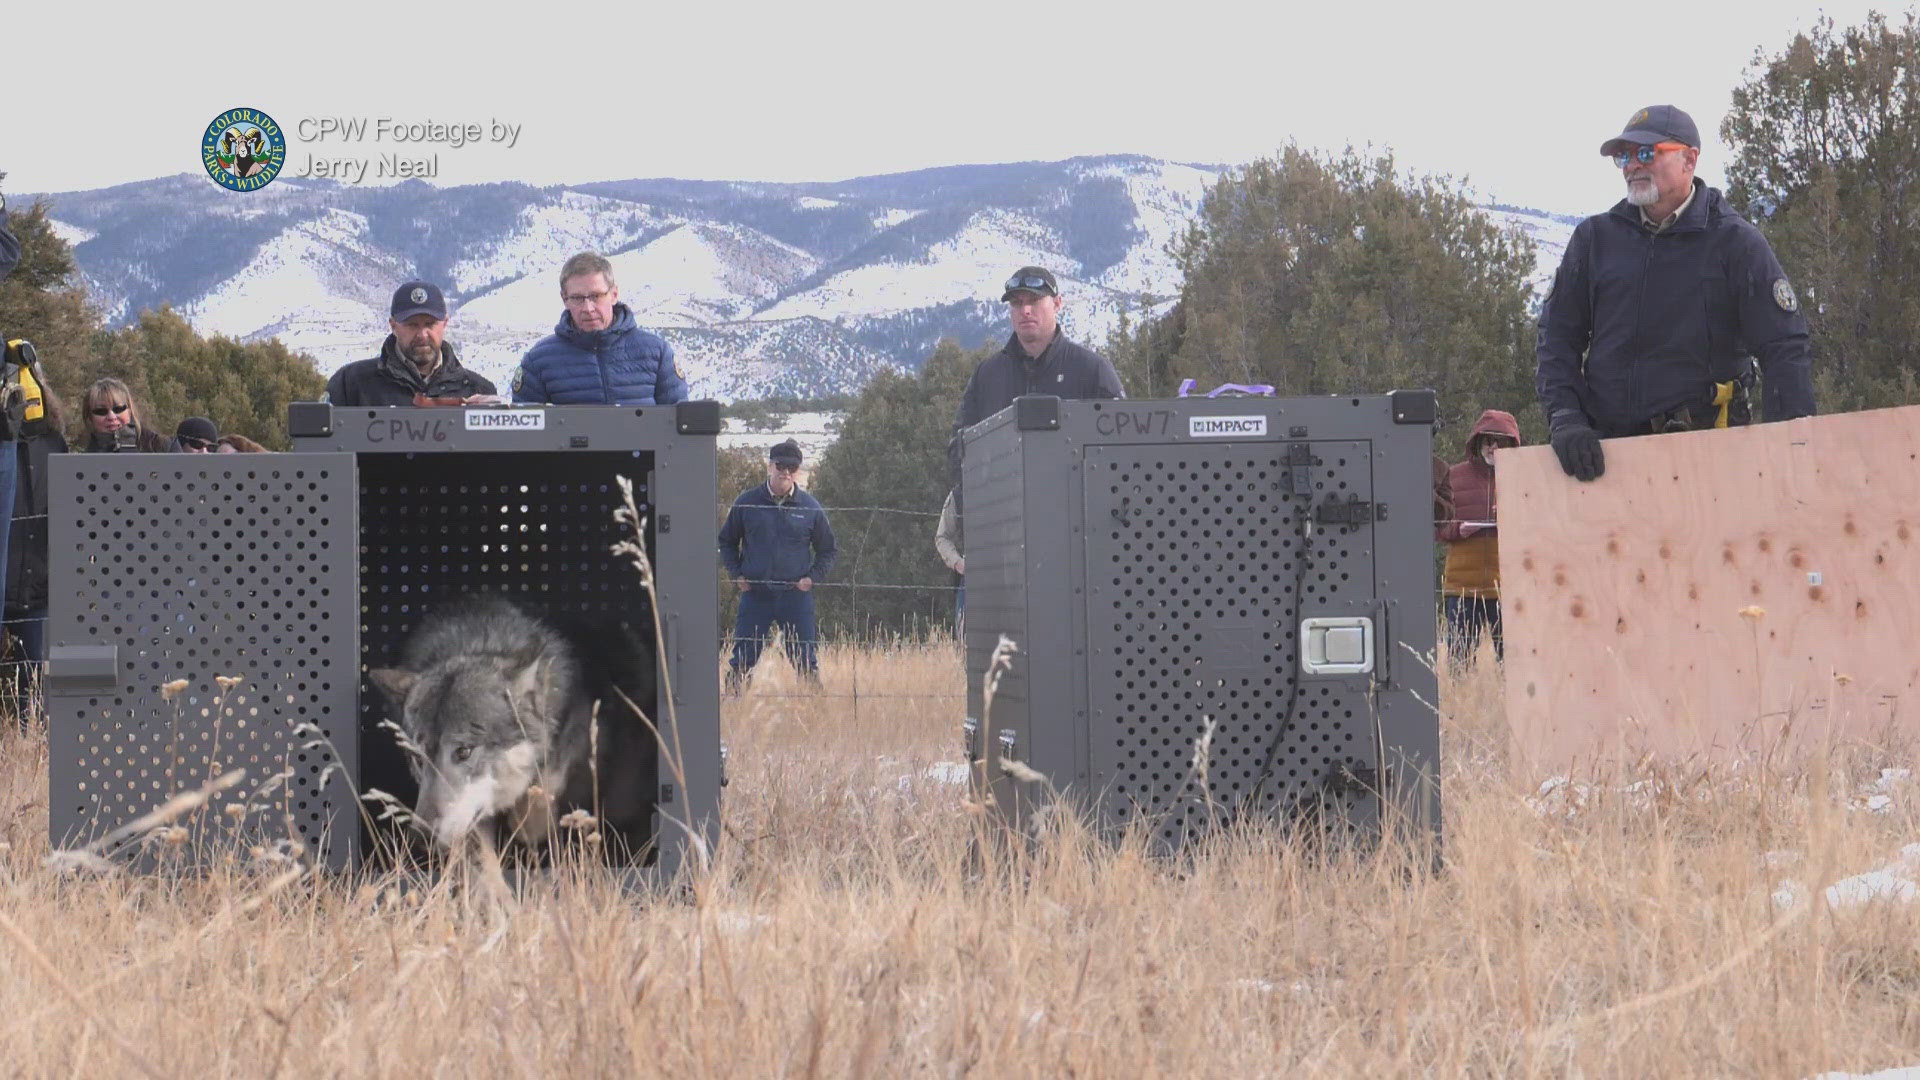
{"x":790,"y":289}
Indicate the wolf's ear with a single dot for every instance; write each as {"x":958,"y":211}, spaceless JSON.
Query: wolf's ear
{"x":526,"y":671}
{"x":393,"y":682}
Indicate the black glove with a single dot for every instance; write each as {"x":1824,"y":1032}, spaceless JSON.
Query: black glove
{"x":1579,"y":449}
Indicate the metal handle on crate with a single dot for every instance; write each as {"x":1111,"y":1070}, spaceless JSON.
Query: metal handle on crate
{"x":80,"y":668}
{"x":1253,"y":389}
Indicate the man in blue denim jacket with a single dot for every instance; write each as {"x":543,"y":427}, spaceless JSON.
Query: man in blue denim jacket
{"x":776,"y":544}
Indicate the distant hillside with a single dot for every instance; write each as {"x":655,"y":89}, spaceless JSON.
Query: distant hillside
{"x":792,"y":289}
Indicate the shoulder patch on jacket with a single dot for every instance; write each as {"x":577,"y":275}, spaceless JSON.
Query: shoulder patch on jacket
{"x":519,"y":376}
{"x":1783,"y":296}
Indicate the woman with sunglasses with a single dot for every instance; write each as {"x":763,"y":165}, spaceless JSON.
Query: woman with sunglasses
{"x":114,"y":422}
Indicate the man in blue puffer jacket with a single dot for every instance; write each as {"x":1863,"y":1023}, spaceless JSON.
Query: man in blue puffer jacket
{"x":597,"y":355}
{"x":775,"y":544}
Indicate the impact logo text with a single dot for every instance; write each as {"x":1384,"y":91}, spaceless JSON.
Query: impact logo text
{"x":1215,"y":427}
{"x":506,"y":420}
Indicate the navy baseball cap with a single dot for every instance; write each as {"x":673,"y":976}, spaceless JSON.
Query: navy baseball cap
{"x":1654,"y":124}
{"x":1033,"y":279}
{"x":418,"y":298}
{"x":786,"y":453}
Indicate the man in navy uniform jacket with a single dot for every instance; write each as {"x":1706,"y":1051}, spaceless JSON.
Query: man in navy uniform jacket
{"x":597,"y":354}
{"x":1660,"y":305}
{"x":776,"y":544}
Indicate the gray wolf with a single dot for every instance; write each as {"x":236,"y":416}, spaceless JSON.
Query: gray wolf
{"x":497,"y":700}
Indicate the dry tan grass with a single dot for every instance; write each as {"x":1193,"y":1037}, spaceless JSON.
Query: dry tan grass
{"x":845,"y":932}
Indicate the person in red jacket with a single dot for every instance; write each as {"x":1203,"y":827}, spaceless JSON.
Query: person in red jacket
{"x":1470,"y":584}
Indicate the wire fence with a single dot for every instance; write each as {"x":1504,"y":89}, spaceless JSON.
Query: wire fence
{"x":934,"y":634}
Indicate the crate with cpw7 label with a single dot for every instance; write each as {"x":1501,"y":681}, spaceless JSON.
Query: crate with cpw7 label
{"x":1203,"y":610}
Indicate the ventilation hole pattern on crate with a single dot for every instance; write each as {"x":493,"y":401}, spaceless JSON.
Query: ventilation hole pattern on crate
{"x":1193,"y":559}
{"x":163,"y":578}
{"x":538,"y":527}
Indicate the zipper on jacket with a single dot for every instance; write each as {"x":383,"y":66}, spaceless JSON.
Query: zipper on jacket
{"x":1639,"y":326}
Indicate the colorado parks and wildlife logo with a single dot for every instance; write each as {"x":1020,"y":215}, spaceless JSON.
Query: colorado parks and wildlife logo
{"x":243,"y":149}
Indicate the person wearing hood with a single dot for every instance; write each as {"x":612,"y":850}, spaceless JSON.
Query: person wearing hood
{"x":1470,"y":584}
{"x":414,"y":361}
{"x":597,"y":354}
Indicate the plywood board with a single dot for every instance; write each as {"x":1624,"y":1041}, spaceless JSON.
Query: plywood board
{"x":1716,"y":593}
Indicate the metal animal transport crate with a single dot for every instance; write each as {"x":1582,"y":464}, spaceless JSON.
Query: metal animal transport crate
{"x":296,"y":572}
{"x":1220,"y":608}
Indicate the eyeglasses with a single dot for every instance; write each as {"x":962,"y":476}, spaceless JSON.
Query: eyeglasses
{"x":1030,"y":283}
{"x":785,"y":468}
{"x":583,"y":299}
{"x":109,"y":410}
{"x":197,"y":444}
{"x":1643,"y":154}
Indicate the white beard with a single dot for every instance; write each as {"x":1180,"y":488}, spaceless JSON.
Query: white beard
{"x":1643,"y":195}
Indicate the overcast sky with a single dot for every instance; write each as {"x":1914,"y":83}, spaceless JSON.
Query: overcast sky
{"x":1516,"y":96}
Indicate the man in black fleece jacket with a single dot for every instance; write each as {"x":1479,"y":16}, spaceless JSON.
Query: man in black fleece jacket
{"x":1037,"y":359}
{"x":414,"y":360}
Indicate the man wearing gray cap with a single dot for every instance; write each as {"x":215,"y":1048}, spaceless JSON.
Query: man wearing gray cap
{"x":414,"y":361}
{"x":1660,"y":307}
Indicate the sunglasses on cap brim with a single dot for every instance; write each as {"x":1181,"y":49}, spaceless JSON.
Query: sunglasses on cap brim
{"x":1029,"y":283}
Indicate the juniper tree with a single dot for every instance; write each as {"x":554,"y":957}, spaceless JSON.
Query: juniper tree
{"x":1337,"y":275}
{"x":1826,"y":161}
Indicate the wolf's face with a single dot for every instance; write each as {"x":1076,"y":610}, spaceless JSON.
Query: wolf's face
{"x":482,"y":731}
{"x":469,"y":779}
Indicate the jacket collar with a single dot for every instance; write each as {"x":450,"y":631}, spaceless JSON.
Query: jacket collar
{"x":1019,"y":351}
{"x":1693,"y":216}
{"x":1672,"y":219}
{"x":402,"y":369}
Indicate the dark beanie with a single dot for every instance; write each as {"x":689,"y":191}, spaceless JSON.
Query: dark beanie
{"x":198,"y":427}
